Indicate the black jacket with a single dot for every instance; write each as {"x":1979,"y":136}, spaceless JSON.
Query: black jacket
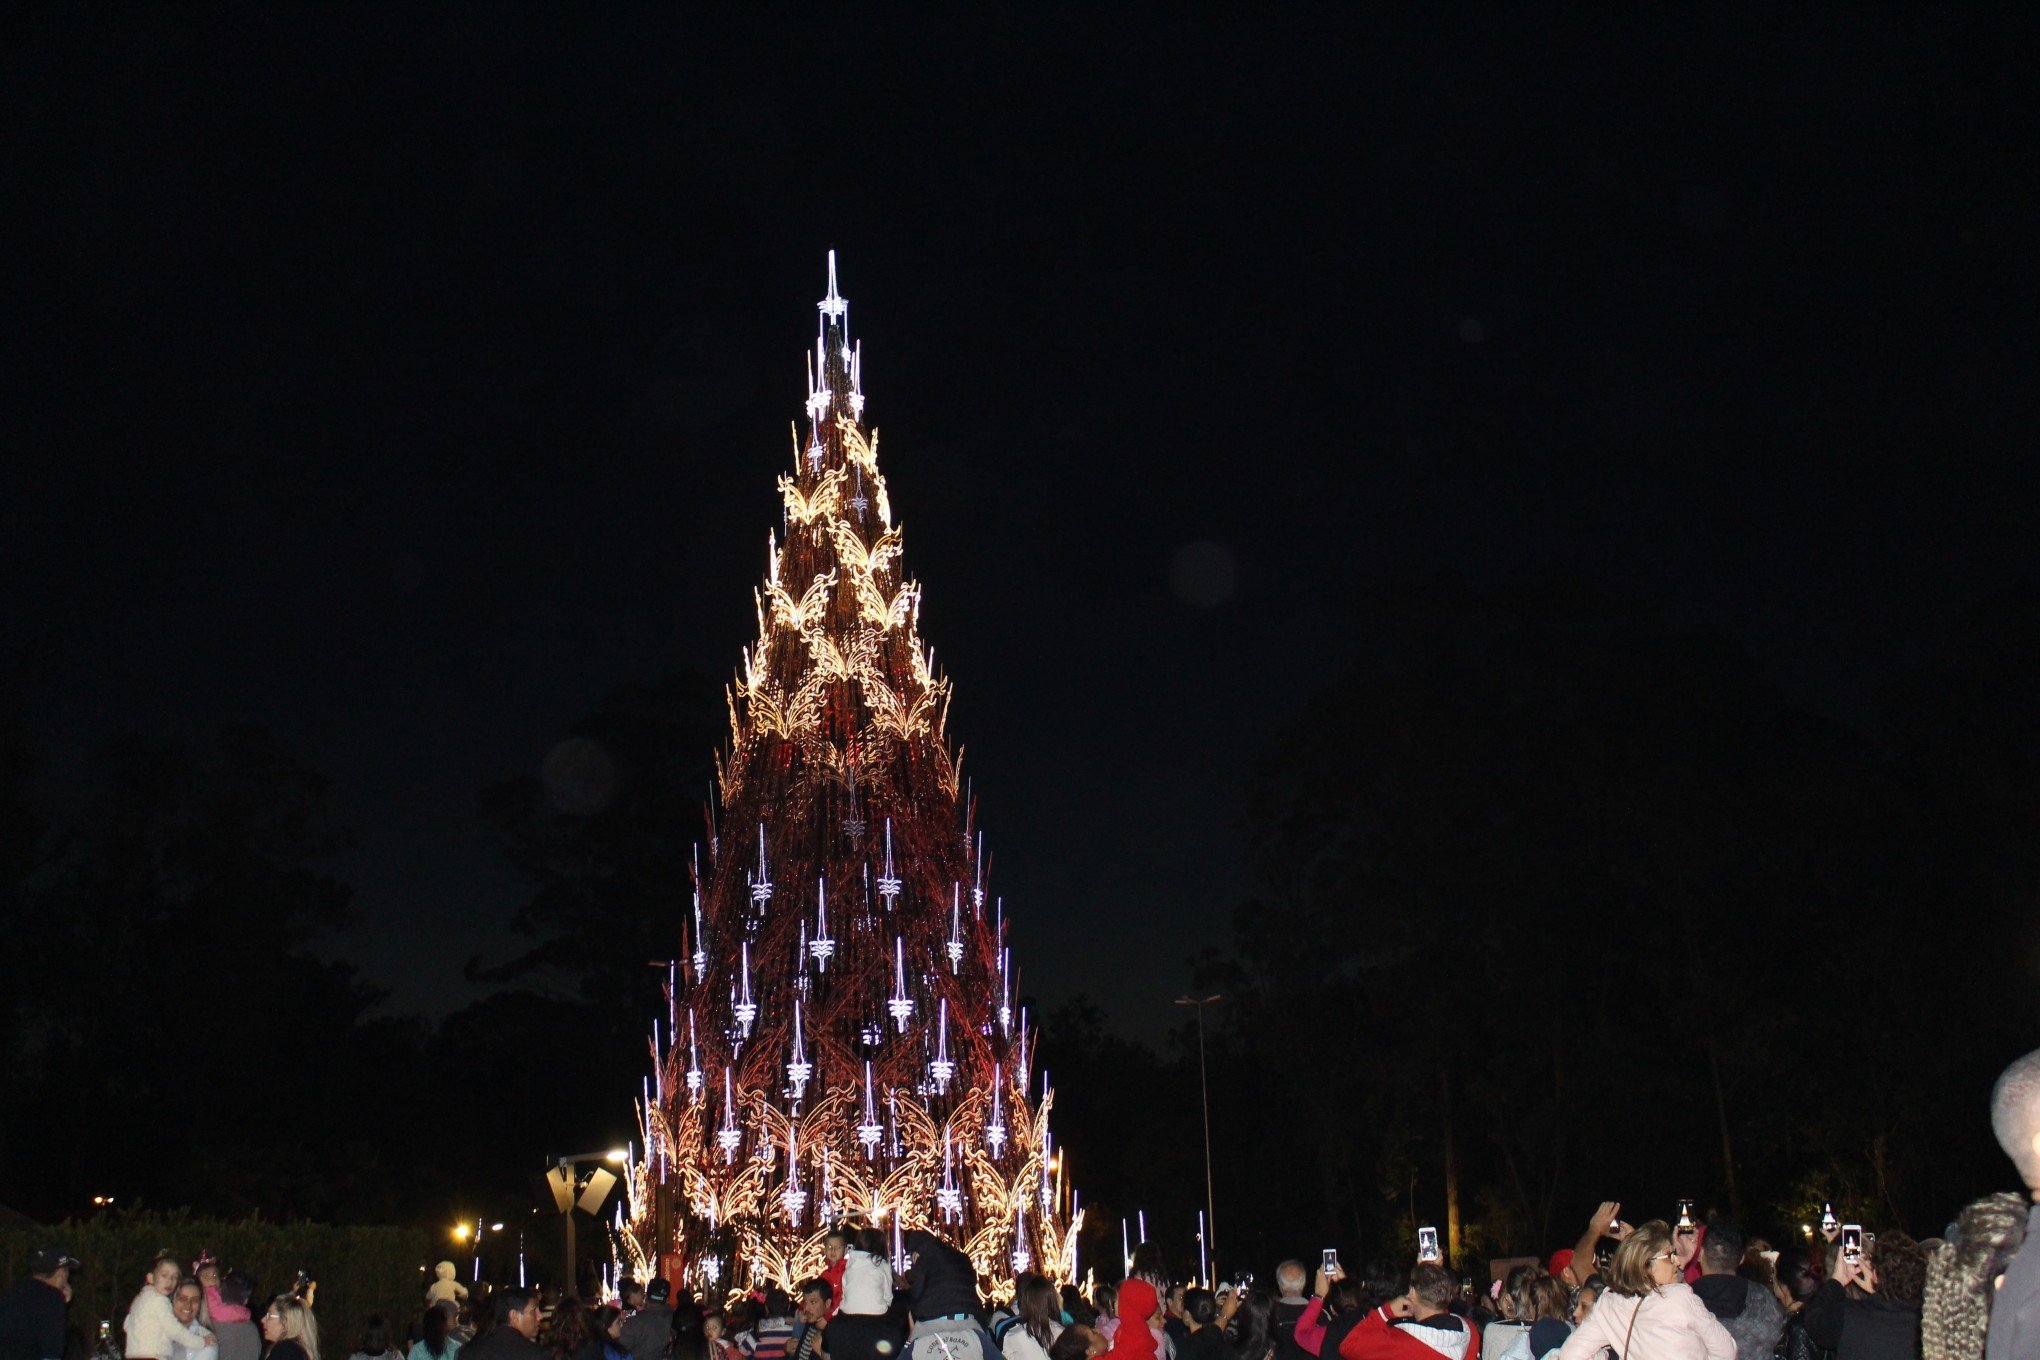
{"x":943,"y":1283}
{"x":1872,"y":1328}
{"x":504,"y":1342}
{"x":648,"y":1333}
{"x":32,"y":1322}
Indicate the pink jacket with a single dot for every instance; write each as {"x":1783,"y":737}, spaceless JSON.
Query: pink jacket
{"x":219,"y":1310}
{"x":1667,"y":1324}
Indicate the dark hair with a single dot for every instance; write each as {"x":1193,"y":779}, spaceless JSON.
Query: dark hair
{"x":236,"y":1287}
{"x":1796,"y":1273}
{"x":818,"y":1285}
{"x":1724,"y":1244}
{"x":1251,"y":1325}
{"x":870,"y":1241}
{"x":1082,"y":1314}
{"x":1381,"y":1281}
{"x":569,"y":1331}
{"x":1433,"y":1285}
{"x":515,"y":1299}
{"x":1071,"y":1345}
{"x":841,"y":1234}
{"x":375,"y":1335}
{"x":1148,"y":1265}
{"x":775,"y":1304}
{"x":1200,"y":1306}
{"x":432,"y":1331}
{"x":1901,"y":1268}
{"x":1036,"y":1306}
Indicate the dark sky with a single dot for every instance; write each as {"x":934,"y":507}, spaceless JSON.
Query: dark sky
{"x":407,"y":378}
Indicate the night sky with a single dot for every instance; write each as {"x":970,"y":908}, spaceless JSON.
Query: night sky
{"x":408,"y":380}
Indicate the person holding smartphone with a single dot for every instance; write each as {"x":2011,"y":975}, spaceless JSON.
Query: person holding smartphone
{"x":1649,"y":1312}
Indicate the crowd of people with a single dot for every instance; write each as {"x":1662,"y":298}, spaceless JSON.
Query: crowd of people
{"x":1675,"y":1288}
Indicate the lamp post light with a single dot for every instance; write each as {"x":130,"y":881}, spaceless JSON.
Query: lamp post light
{"x":564,"y":1188}
{"x":1209,"y":1232}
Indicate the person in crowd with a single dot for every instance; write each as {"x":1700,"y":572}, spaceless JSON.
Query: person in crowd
{"x":377,"y":1340}
{"x":435,"y":1334}
{"x":773,"y":1330}
{"x":1510,"y":1323}
{"x":1798,"y":1281}
{"x":152,"y":1328}
{"x":289,"y":1329}
{"x":1881,"y":1319}
{"x":1541,"y":1305}
{"x":1105,"y":1299}
{"x":227,"y":1294}
{"x":835,"y":1253}
{"x":1749,"y":1311}
{"x":1963,"y":1275}
{"x":811,"y":1320}
{"x":862,"y":1327}
{"x":648,"y":1332}
{"x":942,"y":1297}
{"x":1290,"y":1305}
{"x":1206,"y":1338}
{"x":690,"y":1342}
{"x":514,"y":1336}
{"x":715,"y":1331}
{"x":444,"y":1287}
{"x":1648,"y":1311}
{"x":1418,"y":1326}
{"x":1134,"y":1339}
{"x":1037,"y":1320}
{"x":1079,"y":1342}
{"x":33,"y":1313}
{"x":1248,"y":1315}
{"x":1572,"y":1267}
{"x":570,"y":1332}
{"x":1584,"y":1298}
{"x":1174,"y":1325}
{"x":187,"y":1304}
{"x":2015,"y":1119}
{"x":1309,"y":1332}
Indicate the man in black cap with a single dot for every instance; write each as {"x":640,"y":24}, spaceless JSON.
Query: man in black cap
{"x":32,"y":1313}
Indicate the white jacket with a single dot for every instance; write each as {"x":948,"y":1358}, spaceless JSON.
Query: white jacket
{"x":1018,"y":1345}
{"x":152,"y":1328}
{"x":1667,"y":1324}
{"x":867,"y":1284}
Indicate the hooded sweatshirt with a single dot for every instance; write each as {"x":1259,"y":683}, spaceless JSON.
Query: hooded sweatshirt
{"x":1748,"y":1310}
{"x":1380,"y":1336}
{"x":1134,"y":1340}
{"x":944,"y":1281}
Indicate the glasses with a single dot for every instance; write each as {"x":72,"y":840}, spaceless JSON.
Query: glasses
{"x":1664,"y":1256}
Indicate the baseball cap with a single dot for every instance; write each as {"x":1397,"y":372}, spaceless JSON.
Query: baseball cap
{"x":658,"y":1290}
{"x":47,"y":1260}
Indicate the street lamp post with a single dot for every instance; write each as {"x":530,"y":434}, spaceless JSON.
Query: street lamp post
{"x":1204,"y":1091}
{"x":566,"y":1172}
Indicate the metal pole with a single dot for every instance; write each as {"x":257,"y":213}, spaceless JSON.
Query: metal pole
{"x":1210,"y":1199}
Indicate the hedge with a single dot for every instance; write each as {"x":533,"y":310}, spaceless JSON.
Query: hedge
{"x":361,"y":1271}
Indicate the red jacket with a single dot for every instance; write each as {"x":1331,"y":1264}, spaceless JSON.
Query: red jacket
{"x":1378,"y":1338}
{"x":833,"y":1273}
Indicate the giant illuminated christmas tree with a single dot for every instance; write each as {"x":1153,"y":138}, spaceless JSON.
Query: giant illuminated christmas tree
{"x":843,"y":1039}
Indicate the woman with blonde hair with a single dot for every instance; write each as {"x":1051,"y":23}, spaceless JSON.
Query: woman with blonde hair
{"x":290,"y":1329}
{"x":1649,"y":1312}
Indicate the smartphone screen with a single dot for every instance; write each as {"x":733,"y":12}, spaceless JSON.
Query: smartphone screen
{"x":1331,"y":1266}
{"x":1427,"y":1246}
{"x":1852,"y":1240}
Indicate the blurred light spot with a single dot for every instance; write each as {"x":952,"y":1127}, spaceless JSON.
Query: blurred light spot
{"x":579,"y":776}
{"x":1204,"y":574}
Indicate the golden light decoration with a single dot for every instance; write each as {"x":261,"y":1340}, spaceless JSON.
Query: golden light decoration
{"x":838,"y":777}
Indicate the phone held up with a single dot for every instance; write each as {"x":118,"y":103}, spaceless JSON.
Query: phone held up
{"x":1685,"y":1213}
{"x":1427,"y":1247}
{"x":1852,"y":1241}
{"x":1331,"y":1264}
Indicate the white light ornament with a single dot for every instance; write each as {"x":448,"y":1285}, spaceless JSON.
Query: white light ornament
{"x":693,"y":1059}
{"x":728,"y":1136}
{"x":901,"y":1005}
{"x":794,"y":1196}
{"x":948,"y":1195}
{"x":888,"y":876}
{"x":711,"y":1270}
{"x":870,"y":1131}
{"x":856,"y":359}
{"x":761,"y":883}
{"x":800,"y":1069}
{"x":700,"y":941}
{"x":1022,"y":1258}
{"x":821,"y":947}
{"x":1006,"y":992}
{"x":995,"y":1123}
{"x":955,"y":946}
{"x":834,"y":306}
{"x":940,"y":1069}
{"x":744,"y":1008}
{"x":977,"y":892}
